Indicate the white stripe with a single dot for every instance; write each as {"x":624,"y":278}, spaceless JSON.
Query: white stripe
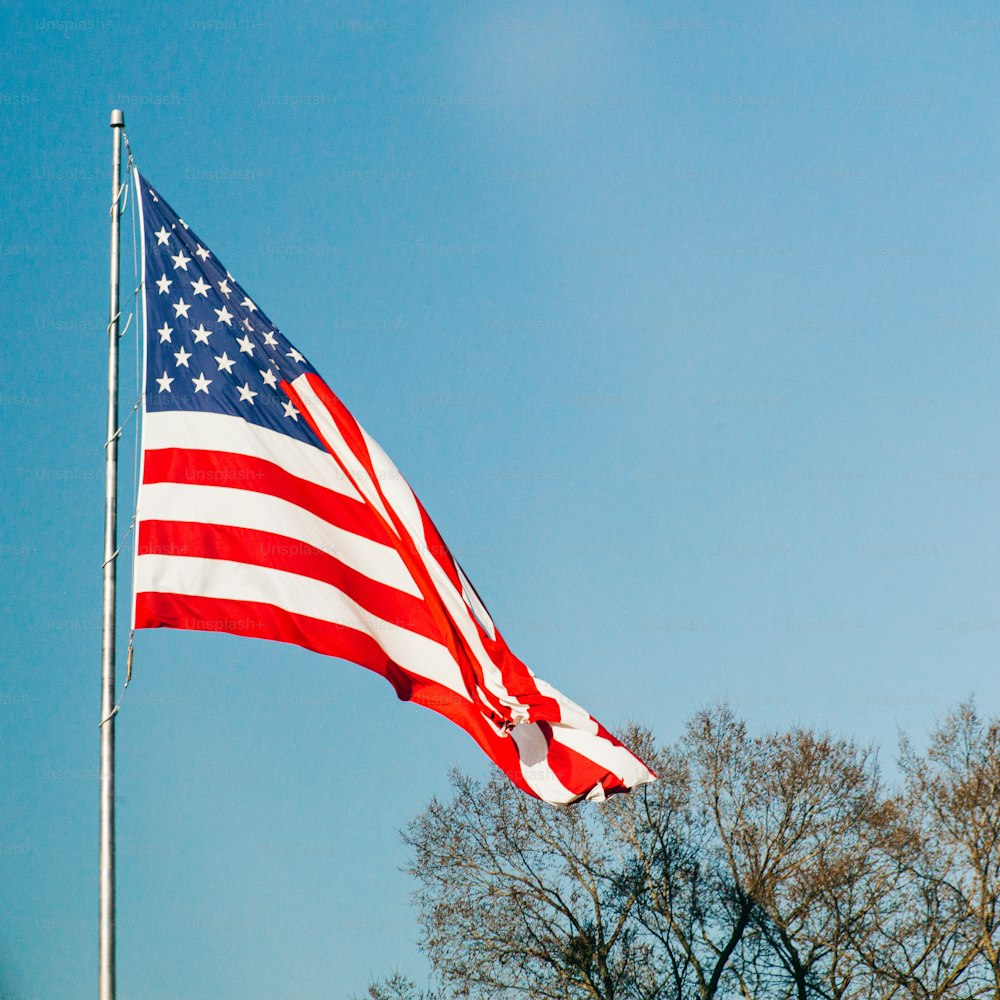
{"x":396,"y":490}
{"x":224,"y":580}
{"x":570,"y":712}
{"x":533,"y":752}
{"x":578,"y":730}
{"x":331,"y":434}
{"x":616,"y":759}
{"x":224,"y":432}
{"x":262,"y":512}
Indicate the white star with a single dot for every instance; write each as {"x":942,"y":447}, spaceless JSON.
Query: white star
{"x":182,"y":358}
{"x":202,"y":252}
{"x":181,"y":261}
{"x":181,"y":308}
{"x":164,"y":383}
{"x":225,"y":316}
{"x":201,"y":335}
{"x":229,"y":276}
{"x":201,"y":287}
{"x":224,"y":287}
{"x":225,"y":361}
{"x":183,"y":223}
{"x":246,"y":393}
{"x":247,"y":304}
{"x":245,"y":346}
{"x":269,"y":339}
{"x":201,"y":383}
{"x":247,"y":325}
{"x":165,"y":332}
{"x":290,"y":411}
{"x":152,"y":194}
{"x":268,"y":376}
{"x":164,"y":285}
{"x":295,"y":356}
{"x":162,"y":236}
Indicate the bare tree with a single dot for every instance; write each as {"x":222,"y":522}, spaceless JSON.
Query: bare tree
{"x":760,"y":883}
{"x":399,"y":987}
{"x":632,"y":899}
{"x":939,"y":933}
{"x":773,"y":867}
{"x":689,"y":906}
{"x":518,"y":898}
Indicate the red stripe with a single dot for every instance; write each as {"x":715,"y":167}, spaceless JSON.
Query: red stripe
{"x":264,"y":548}
{"x":256,"y":475}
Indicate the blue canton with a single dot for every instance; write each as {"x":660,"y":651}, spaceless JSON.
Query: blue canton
{"x":209,"y":346}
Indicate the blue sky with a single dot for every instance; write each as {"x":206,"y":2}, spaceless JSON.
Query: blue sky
{"x":683,"y":323}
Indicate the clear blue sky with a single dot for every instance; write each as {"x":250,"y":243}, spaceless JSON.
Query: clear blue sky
{"x":683,"y":323}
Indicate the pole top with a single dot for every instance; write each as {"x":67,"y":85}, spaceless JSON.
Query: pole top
{"x":117,"y":119}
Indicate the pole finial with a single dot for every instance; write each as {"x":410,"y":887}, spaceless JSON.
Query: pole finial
{"x":117,"y":119}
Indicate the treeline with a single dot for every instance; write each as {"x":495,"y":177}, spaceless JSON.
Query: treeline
{"x":756,"y":867}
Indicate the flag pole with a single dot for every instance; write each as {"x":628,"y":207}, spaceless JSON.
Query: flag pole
{"x":106,"y":949}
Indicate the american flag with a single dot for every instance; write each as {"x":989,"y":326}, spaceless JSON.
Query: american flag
{"x":265,"y":510}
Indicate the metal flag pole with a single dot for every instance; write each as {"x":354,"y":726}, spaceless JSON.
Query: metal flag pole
{"x":106,"y":950}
